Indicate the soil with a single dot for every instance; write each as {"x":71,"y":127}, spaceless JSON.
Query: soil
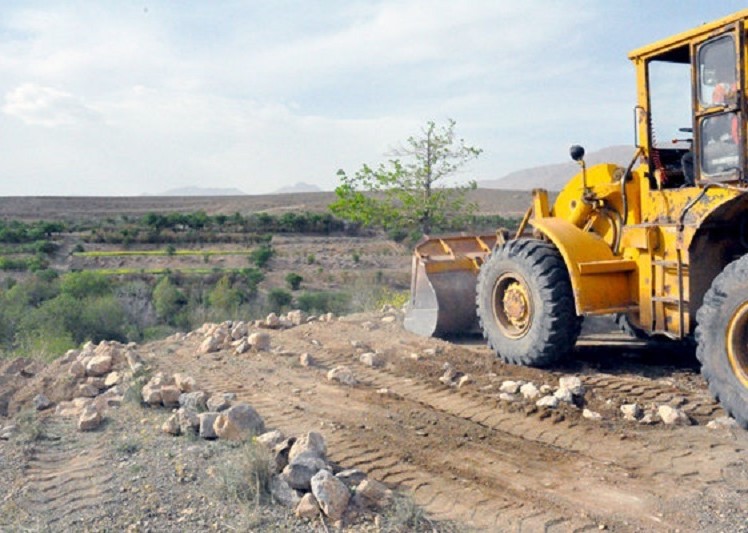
{"x":465,"y":455}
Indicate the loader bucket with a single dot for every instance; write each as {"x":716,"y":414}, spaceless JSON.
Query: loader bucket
{"x":442,"y":286}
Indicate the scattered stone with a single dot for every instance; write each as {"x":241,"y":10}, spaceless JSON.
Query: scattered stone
{"x":283,"y":493}
{"x":99,"y":365}
{"x":170,"y":395}
{"x":450,"y":374}
{"x":207,"y":421}
{"x":189,"y":421}
{"x":371,"y":494}
{"x":573,"y":384}
{"x":162,"y":380}
{"x":272,"y":321}
{"x":331,"y":493}
{"x":259,"y":341}
{"x":511,"y":387}
{"x":723,"y":422}
{"x":591,"y":415}
{"x":371,"y":359}
{"x":312,"y":442}
{"x":673,"y":416}
{"x":464,"y":380}
{"x":389,"y":319}
{"x":41,"y":402}
{"x":546,"y":389}
{"x":239,"y":331}
{"x":112,"y":379}
{"x":299,"y":476}
{"x":307,"y":507}
{"x":564,"y":395}
{"x":195,"y":400}
{"x":360,"y":345}
{"x":172,"y":426}
{"x":631,"y":412}
{"x":342,"y":374}
{"x":218,"y":403}
{"x":87,"y":390}
{"x":151,"y":394}
{"x":133,"y":360}
{"x":90,"y":419}
{"x":529,"y":391}
{"x":239,"y":423}
{"x":242,"y":347}
{"x":306,"y":360}
{"x":547,"y":401}
{"x":184,"y":382}
{"x":296,"y":317}
{"x":506,"y":397}
{"x":271,"y":439}
{"x":210,"y":344}
{"x":351,"y":477}
{"x":77,"y":370}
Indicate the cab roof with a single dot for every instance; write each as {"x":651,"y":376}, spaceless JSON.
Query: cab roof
{"x":683,"y":38}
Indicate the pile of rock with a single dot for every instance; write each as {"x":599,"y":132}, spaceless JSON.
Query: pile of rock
{"x":654,"y":413}
{"x":99,"y":373}
{"x":229,"y":335}
{"x":291,"y":319}
{"x":305,"y":480}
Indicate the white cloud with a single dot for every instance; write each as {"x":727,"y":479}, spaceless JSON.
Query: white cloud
{"x":45,"y":106}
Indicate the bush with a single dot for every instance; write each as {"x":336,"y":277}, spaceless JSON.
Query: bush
{"x":324,"y":302}
{"x":246,"y":478}
{"x":278,"y":299}
{"x":83,"y":284}
{"x":224,"y":297}
{"x":294,"y":281}
{"x":168,"y":300}
{"x":261,"y":255}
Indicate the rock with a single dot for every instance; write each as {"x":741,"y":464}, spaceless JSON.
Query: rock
{"x":673,"y":416}
{"x":90,"y":419}
{"x":389,"y":319}
{"x":112,"y":379}
{"x":170,"y":395}
{"x":331,"y":493}
{"x":97,"y":382}
{"x":259,"y":341}
{"x":210,"y":344}
{"x":547,"y":401}
{"x":41,"y":402}
{"x":242,"y":347}
{"x":161,"y":380}
{"x":280,"y":453}
{"x":239,"y":331}
{"x":368,"y":325}
{"x":360,"y":345}
{"x":271,"y":439}
{"x":296,"y":317}
{"x":87,"y":390}
{"x":218,"y":403}
{"x":464,"y":380}
{"x":371,"y":494}
{"x":351,"y":477}
{"x":430,"y":352}
{"x":73,"y":408}
{"x":207,"y":422}
{"x":647,"y":420}
{"x":172,"y":426}
{"x":342,"y":374}
{"x":299,"y":476}
{"x":189,"y":421}
{"x":195,"y":400}
{"x":184,"y":382}
{"x":311,"y":442}
{"x":8,"y":432}
{"x":564,"y":395}
{"x":723,"y":422}
{"x":151,"y":394}
{"x":506,"y":397}
{"x":272,"y":321}
{"x":511,"y":387}
{"x":573,"y":384}
{"x":239,"y":422}
{"x":306,"y":360}
{"x":77,"y":370}
{"x":591,"y":415}
{"x":546,"y":389}
{"x":529,"y":391}
{"x":133,"y":360}
{"x":307,"y":507}
{"x":283,"y":493}
{"x":449,"y":376}
{"x":631,"y":412}
{"x":99,"y":365}
{"x":371,"y":359}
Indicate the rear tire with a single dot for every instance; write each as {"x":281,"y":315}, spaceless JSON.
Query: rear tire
{"x":722,"y":339}
{"x":526,"y":305}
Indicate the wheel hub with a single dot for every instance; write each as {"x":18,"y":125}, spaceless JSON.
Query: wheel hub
{"x":515,"y":304}
{"x":737,"y":343}
{"x":512,"y":305}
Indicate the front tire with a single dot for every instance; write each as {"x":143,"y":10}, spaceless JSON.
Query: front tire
{"x":526,"y":305}
{"x":722,"y":339}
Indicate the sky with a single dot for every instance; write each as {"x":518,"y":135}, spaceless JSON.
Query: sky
{"x":123,"y":98}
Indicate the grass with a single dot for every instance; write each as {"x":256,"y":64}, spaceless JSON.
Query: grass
{"x":246,"y":477}
{"x":159,"y":253}
{"x":403,"y":515}
{"x":30,"y":427}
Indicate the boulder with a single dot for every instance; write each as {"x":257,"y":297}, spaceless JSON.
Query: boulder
{"x":41,"y":402}
{"x":371,"y":359}
{"x":259,"y":341}
{"x":238,"y":423}
{"x":195,"y":400}
{"x":351,"y":477}
{"x":331,"y":494}
{"x":90,"y":419}
{"x":210,"y":344}
{"x":296,"y":317}
{"x":272,"y":321}
{"x":87,"y":390}
{"x":673,"y":416}
{"x":134,"y":360}
{"x":507,"y":397}
{"x":160,"y":380}
{"x":564,"y":395}
{"x":184,"y":382}
{"x":573,"y":384}
{"x":77,"y":370}
{"x":239,"y":331}
{"x":283,"y":493}
{"x":529,"y":391}
{"x":722,"y":422}
{"x":307,"y":507}
{"x":271,"y":439}
{"x":342,"y":374}
{"x":99,"y":365}
{"x":189,"y":421}
{"x":170,"y":395}
{"x":591,"y":415}
{"x":547,"y":401}
{"x":510,"y":387}
{"x":207,"y":421}
{"x":242,"y":347}
{"x":112,"y":378}
{"x":151,"y":394}
{"x":312,"y":443}
{"x":280,"y":453}
{"x":371,"y":494}
{"x":463,"y":381}
{"x":171,"y":426}
{"x":218,"y":403}
{"x":299,"y":476}
{"x":631,"y":412}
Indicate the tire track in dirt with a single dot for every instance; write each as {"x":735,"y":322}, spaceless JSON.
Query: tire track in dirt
{"x":66,"y":478}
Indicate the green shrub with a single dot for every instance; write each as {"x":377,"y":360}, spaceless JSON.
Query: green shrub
{"x":261,"y":255}
{"x":311,"y":259}
{"x":223,"y":296}
{"x":278,"y":299}
{"x":171,"y":250}
{"x":324,"y":302}
{"x":168,"y":300}
{"x":294,"y":281}
{"x":84,"y":284}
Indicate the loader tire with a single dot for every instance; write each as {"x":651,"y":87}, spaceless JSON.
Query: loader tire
{"x":722,"y":339}
{"x":525,"y":303}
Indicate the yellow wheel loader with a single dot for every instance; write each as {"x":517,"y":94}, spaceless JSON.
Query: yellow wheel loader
{"x":662,"y":243}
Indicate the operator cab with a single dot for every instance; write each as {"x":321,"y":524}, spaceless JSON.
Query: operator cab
{"x":690,"y":119}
